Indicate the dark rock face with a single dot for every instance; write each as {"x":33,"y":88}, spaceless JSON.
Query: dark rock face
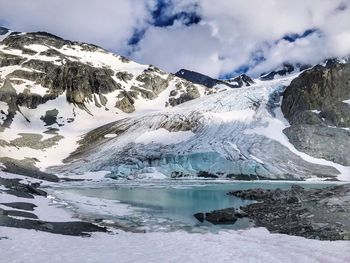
{"x":3,"y":30}
{"x":152,"y":82}
{"x":323,"y":142}
{"x":314,"y":106}
{"x":10,"y":60}
{"x":80,"y":82}
{"x":126,"y":103}
{"x":198,"y":78}
{"x":50,"y":117}
{"x":190,"y":94}
{"x":18,"y":213}
{"x":74,"y":228}
{"x":241,"y":80}
{"x":205,"y":174}
{"x":21,"y":205}
{"x":18,"y":41}
{"x":26,"y":168}
{"x":313,"y":213}
{"x":286,"y":69}
{"x":200,"y":217}
{"x":78,"y":79}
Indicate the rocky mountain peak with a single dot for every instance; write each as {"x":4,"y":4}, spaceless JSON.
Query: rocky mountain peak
{"x":241,"y":80}
{"x":199,"y":78}
{"x":285,"y":69}
{"x":3,"y":30}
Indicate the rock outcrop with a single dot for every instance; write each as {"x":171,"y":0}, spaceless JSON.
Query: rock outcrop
{"x":315,"y":105}
{"x":311,"y":213}
{"x":219,"y":217}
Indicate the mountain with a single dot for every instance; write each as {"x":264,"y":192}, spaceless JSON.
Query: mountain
{"x":198,"y":78}
{"x":54,"y":90}
{"x":237,"y":133}
{"x":70,"y":108}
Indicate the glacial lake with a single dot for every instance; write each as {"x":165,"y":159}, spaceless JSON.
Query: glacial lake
{"x":164,"y":205}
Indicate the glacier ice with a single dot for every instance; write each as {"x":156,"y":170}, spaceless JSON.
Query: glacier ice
{"x":222,"y":142}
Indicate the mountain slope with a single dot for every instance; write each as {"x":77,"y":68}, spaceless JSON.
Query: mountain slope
{"x":237,"y":133}
{"x":64,"y":100}
{"x":53,"y":90}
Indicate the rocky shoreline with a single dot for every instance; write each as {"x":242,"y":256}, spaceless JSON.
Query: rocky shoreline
{"x":22,"y":214}
{"x":311,"y":213}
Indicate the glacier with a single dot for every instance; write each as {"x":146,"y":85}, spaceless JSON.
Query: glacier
{"x":226,"y":141}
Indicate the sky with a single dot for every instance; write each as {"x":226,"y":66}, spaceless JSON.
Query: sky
{"x":220,"y":38}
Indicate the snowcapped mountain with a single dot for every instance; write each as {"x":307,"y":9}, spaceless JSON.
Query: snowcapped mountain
{"x":63,"y":100}
{"x":53,"y":90}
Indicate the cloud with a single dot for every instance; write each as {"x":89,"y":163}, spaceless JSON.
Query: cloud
{"x":250,"y":35}
{"x":218,"y":38}
{"x":108,"y":23}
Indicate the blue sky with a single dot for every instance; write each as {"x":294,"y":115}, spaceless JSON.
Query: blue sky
{"x":221,"y":38}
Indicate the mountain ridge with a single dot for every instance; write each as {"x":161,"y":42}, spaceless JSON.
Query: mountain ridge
{"x":199,"y":78}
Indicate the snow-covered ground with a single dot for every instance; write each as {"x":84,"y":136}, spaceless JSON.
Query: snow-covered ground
{"x":253,"y":245}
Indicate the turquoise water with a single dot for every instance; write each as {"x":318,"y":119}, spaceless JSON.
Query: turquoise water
{"x":174,"y":203}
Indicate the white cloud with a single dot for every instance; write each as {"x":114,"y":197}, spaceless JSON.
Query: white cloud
{"x":178,"y":46}
{"x":108,"y":23}
{"x":230,"y":31}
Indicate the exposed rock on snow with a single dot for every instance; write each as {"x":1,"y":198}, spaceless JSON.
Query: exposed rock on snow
{"x":18,"y":198}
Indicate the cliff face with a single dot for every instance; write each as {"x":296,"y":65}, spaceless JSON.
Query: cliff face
{"x":317,"y":106}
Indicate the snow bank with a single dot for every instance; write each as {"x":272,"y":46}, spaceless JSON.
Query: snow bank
{"x":254,"y":245}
